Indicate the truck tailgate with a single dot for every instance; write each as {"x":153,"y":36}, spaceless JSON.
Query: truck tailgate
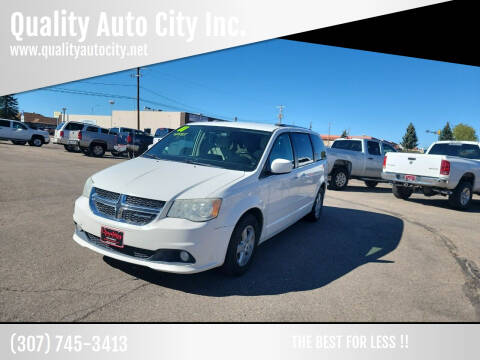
{"x":414,"y":164}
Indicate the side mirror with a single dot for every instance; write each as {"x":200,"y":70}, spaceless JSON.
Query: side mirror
{"x":281,"y":166}
{"x":323,"y":155}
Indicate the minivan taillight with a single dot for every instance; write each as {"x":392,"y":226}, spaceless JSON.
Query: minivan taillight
{"x":445,"y":167}
{"x":129,"y":139}
{"x":384,"y":161}
{"x":61,"y":133}
{"x":79,"y":135}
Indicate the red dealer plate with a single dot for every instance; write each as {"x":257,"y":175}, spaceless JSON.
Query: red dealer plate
{"x":410,"y":177}
{"x":112,"y":237}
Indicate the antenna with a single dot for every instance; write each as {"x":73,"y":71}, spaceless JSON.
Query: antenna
{"x":280,"y":113}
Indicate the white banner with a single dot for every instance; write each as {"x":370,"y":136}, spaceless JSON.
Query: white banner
{"x":47,"y":43}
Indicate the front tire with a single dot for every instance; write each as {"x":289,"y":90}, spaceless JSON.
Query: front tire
{"x":371,"y":184}
{"x":339,"y":179}
{"x":401,"y":192}
{"x":242,"y":246}
{"x":36,"y":141}
{"x":461,"y":197}
{"x":317,"y":208}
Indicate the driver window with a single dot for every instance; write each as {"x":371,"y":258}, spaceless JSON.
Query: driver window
{"x":282,"y":149}
{"x":19,"y":126}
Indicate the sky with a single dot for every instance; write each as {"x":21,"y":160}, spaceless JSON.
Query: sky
{"x":365,"y":93}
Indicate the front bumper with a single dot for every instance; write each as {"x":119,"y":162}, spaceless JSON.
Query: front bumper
{"x":46,"y":140}
{"x":205,"y":241}
{"x":419,"y":181}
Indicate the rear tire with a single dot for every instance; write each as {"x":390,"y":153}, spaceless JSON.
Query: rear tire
{"x":68,"y":148}
{"x":317,"y":208}
{"x":401,"y":192}
{"x":97,"y":150}
{"x":242,"y":246}
{"x":86,"y":151}
{"x":371,"y":184}
{"x":339,"y":179}
{"x":461,"y":197}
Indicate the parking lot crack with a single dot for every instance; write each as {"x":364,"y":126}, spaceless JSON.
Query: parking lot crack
{"x":469,"y":268}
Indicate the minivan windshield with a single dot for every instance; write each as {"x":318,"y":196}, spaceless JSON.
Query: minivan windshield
{"x":218,"y":146}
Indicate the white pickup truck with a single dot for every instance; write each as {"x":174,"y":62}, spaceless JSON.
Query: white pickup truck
{"x":450,"y":168}
{"x":358,"y":159}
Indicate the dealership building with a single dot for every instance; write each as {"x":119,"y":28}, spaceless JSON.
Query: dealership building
{"x":148,"y":119}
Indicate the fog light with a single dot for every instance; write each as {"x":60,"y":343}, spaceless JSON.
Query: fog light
{"x":184,"y":256}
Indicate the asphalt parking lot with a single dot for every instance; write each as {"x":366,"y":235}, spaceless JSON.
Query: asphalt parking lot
{"x":370,"y":258}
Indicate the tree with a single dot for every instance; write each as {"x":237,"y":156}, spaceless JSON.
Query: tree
{"x":410,"y":140}
{"x":8,"y":107}
{"x":446,"y":133}
{"x":344,"y":134}
{"x":464,"y":132}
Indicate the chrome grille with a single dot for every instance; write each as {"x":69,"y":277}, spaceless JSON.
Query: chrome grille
{"x":136,"y":217}
{"x":149,"y":203}
{"x":107,"y":194}
{"x":124,"y":208}
{"x":104,"y":209}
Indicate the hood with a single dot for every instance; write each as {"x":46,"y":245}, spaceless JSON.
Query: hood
{"x":164,"y":180}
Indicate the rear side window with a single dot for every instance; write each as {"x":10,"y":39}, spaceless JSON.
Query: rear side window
{"x":282,"y":149}
{"x":468,"y":151}
{"x":318,"y":146}
{"x":104,"y":131}
{"x":5,"y":123}
{"x":352,"y":145}
{"x":373,"y":148}
{"x":59,"y":126}
{"x":114,"y":131}
{"x":387,"y":148}
{"x":74,"y":126}
{"x":91,"y":129}
{"x":303,"y":148}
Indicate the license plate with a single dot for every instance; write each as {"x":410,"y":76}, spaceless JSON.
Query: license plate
{"x":410,"y":177}
{"x":112,"y":237}
{"x":72,"y":142}
{"x":120,"y":148}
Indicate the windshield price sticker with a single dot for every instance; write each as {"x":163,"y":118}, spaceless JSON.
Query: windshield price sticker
{"x":47,"y":343}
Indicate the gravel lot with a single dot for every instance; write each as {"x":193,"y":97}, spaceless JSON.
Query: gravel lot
{"x":371,"y":258}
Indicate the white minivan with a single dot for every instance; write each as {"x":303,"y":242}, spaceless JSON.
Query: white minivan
{"x":204,"y":196}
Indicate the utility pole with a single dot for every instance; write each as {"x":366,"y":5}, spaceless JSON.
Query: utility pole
{"x":63,"y":117}
{"x":138,"y":98}
{"x":310,"y":125}
{"x":280,"y":113}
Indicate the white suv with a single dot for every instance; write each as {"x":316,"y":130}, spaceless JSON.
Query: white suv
{"x":204,"y":196}
{"x":20,"y":133}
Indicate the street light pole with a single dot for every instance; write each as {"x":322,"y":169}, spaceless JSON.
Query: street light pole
{"x":111,"y":102}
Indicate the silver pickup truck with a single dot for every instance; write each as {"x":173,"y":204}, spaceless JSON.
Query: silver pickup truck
{"x":94,"y":140}
{"x":356,"y":159}
{"x":450,"y":168}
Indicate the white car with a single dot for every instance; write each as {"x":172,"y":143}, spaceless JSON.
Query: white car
{"x":20,"y":133}
{"x":204,"y":196}
{"x":450,"y":168}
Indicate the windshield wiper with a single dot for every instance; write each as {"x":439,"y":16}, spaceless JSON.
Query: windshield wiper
{"x":151,"y":156}
{"x":193,"y":162}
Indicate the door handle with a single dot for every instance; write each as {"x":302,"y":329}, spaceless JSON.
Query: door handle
{"x":370,"y":158}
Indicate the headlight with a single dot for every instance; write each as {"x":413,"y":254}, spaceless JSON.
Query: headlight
{"x":87,"y":188}
{"x":195,"y":209}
